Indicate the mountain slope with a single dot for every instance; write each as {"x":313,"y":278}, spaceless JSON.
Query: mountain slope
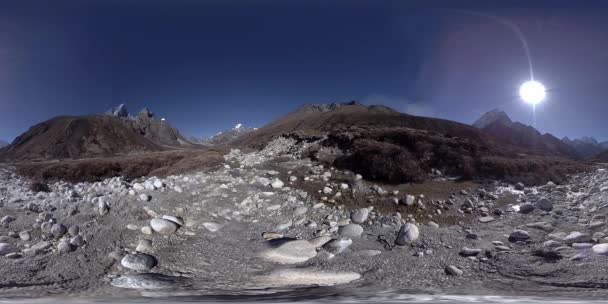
{"x":77,"y":137}
{"x":225,"y":137}
{"x":3,"y":143}
{"x":498,"y":125}
{"x":586,"y":147}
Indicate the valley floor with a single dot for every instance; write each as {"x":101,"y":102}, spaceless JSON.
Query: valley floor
{"x":271,"y":223}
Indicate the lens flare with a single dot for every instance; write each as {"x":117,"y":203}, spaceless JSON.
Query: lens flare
{"x":532,"y":92}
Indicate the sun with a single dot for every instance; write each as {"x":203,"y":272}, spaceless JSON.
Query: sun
{"x":532,"y":92}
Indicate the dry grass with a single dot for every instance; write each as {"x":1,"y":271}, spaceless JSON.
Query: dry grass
{"x":131,"y":166}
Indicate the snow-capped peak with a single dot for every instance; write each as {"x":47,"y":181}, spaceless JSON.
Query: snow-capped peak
{"x":238,"y":126}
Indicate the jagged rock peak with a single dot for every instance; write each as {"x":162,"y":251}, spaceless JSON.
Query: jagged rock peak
{"x":146,"y":113}
{"x":326,"y":107}
{"x":492,"y":117}
{"x":119,"y":111}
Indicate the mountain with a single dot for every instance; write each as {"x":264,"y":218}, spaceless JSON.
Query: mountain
{"x":586,"y":147}
{"x":3,"y":143}
{"x":224,"y":137}
{"x":77,"y":137}
{"x":498,"y":125}
{"x":388,"y":146}
{"x":492,"y":117}
{"x":115,"y":132}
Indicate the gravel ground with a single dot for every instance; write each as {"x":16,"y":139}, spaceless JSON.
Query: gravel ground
{"x":270,"y":222}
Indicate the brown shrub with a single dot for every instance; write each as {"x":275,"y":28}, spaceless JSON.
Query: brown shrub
{"x":383,"y":162}
{"x":132,"y":166}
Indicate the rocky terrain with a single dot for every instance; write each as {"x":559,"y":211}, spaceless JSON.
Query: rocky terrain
{"x":275,"y":221}
{"x":225,"y":137}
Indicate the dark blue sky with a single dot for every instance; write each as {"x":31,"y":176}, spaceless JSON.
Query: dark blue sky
{"x":206,"y":65}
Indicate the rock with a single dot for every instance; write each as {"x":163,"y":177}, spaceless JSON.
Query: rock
{"x":177,"y":220}
{"x":352,"y":231}
{"x":146,"y":230}
{"x":138,"y":187}
{"x":469,"y":251}
{"x":582,"y":246}
{"x":24,"y":235}
{"x":150,"y":281}
{"x":453,"y":270}
{"x":38,"y":248}
{"x":526,"y":208}
{"x":117,"y":255}
{"x":519,"y":236}
{"x":211,"y":226}
{"x":407,"y":234}
{"x":293,"y":178}
{"x":551,"y":244}
{"x":318,"y":242}
{"x":6,"y":248}
{"x":271,"y":235}
{"x":557,"y":236}
{"x":336,"y":246}
{"x":138,"y":262}
{"x":64,"y":247}
{"x":283,"y":225}
{"x":178,"y":189}
{"x":58,"y":230}
{"x":577,"y":237}
{"x":433,"y":224}
{"x":77,"y":240}
{"x":408,"y":200}
{"x":343,"y":186}
{"x":158,"y":184}
{"x":544,"y":204}
{"x":303,"y":276}
{"x":360,"y":215}
{"x":289,"y":252}
{"x":73,"y":230}
{"x":144,"y":246}
{"x":498,"y":212}
{"x":277,"y":184}
{"x":299,"y":211}
{"x":163,"y":226}
{"x":485,"y":219}
{"x":519,"y":186}
{"x":103,"y":207}
{"x":327,"y":190}
{"x":144,"y":197}
{"x":6,"y":220}
{"x":601,"y":249}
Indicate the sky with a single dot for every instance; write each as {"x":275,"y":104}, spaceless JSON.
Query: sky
{"x":208,"y":65}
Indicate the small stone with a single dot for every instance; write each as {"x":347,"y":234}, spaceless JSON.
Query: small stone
{"x":24,"y":235}
{"x":177,"y":220}
{"x":212,"y":227}
{"x":601,"y":249}
{"x":544,"y":204}
{"x":144,"y":246}
{"x":64,"y":247}
{"x":6,"y":248}
{"x":289,"y":252}
{"x":299,"y":211}
{"x":433,"y":224}
{"x":336,"y":246}
{"x":283,"y":225}
{"x":407,"y":234}
{"x":485,"y":219}
{"x":519,"y":235}
{"x":272,"y":235}
{"x":277,"y":183}
{"x":6,"y":220}
{"x":470,"y":251}
{"x":77,"y":240}
{"x":352,"y":231}
{"x":577,"y":237}
{"x":146,"y":230}
{"x":453,"y":270}
{"x":163,"y":226}
{"x":58,"y":230}
{"x":526,"y":208}
{"x":117,"y":255}
{"x":138,"y":262}
{"x":178,"y":189}
{"x":360,"y":215}
{"x":144,"y":197}
{"x":73,"y":230}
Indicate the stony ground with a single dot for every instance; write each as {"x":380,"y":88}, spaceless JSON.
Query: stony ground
{"x":272,"y":222}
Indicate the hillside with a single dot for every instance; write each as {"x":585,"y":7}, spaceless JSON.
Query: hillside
{"x":77,"y":137}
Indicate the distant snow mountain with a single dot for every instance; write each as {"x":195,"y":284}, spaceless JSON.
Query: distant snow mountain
{"x":3,"y":143}
{"x":586,"y":146}
{"x":498,"y":124}
{"x":224,"y":137}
